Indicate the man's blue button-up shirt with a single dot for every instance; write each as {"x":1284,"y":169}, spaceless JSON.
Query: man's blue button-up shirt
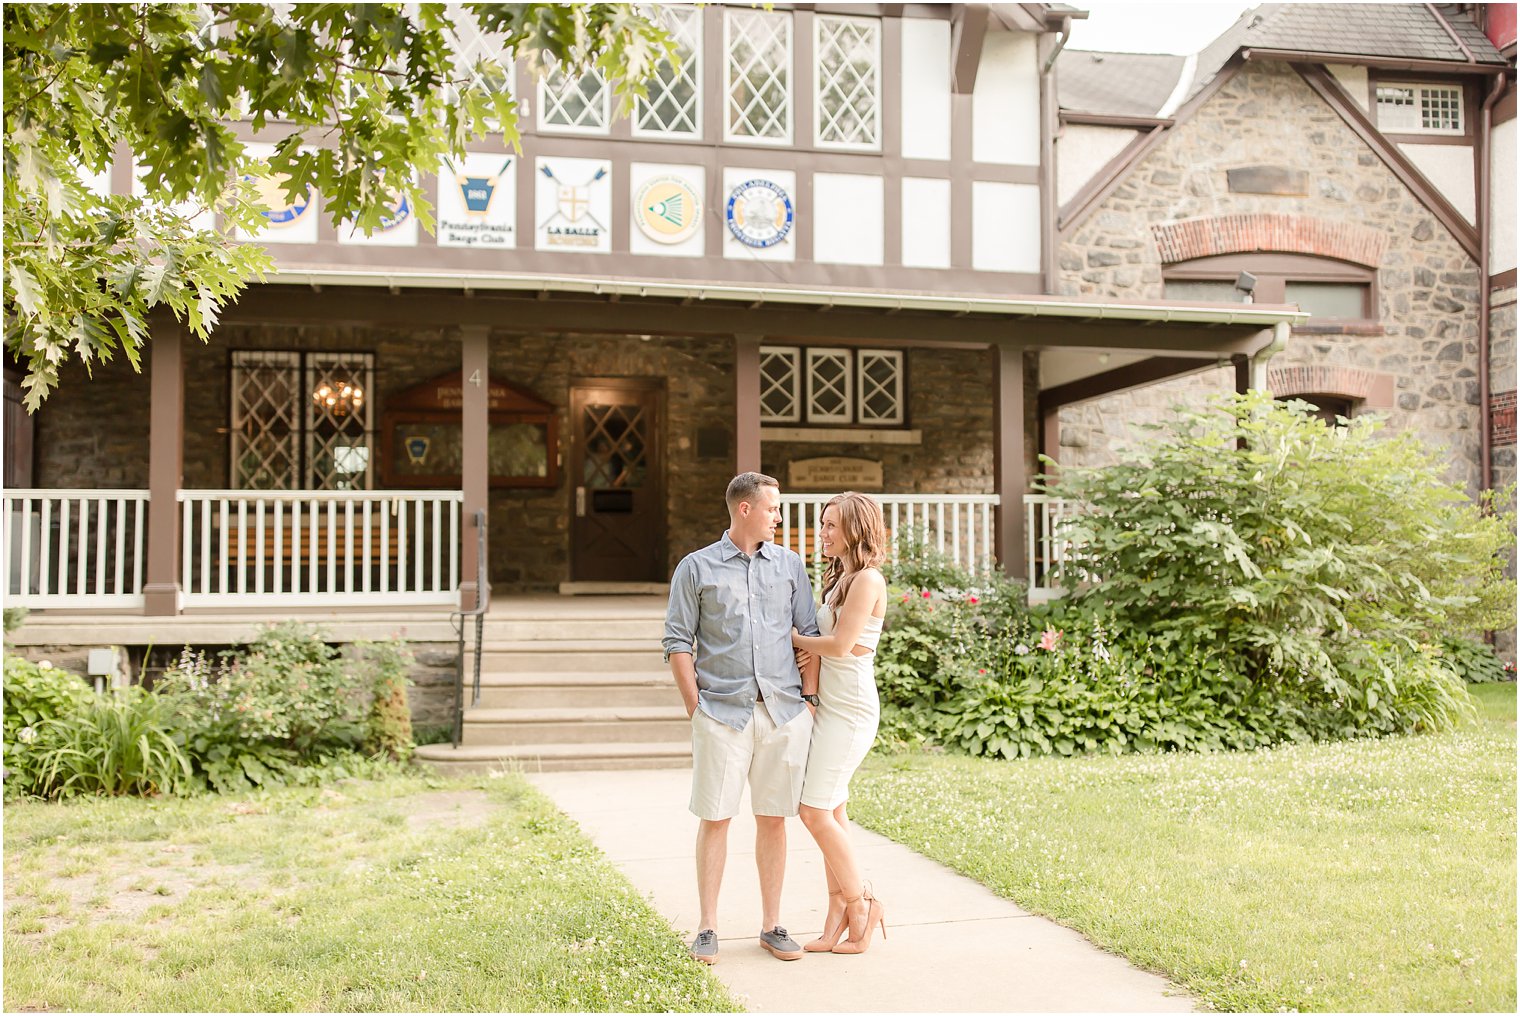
{"x":735,"y":614}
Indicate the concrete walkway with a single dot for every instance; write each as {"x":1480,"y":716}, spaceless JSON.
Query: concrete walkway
{"x":953,"y":945}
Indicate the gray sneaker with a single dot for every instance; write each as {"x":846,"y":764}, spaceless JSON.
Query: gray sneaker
{"x":704,"y":948}
{"x":779,"y":944}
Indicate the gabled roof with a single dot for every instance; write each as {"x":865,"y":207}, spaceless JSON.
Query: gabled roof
{"x":1392,"y":32}
{"x":1128,"y":84}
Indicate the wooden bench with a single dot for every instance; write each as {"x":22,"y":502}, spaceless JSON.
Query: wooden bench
{"x":295,"y":547}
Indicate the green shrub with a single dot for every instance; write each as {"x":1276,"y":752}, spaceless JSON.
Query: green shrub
{"x":13,"y":617}
{"x":117,"y":744}
{"x":389,"y":726}
{"x":35,"y":693}
{"x":1473,"y":661}
{"x":916,"y":564}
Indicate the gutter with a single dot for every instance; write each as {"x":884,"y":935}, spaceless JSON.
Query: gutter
{"x":1050,"y":61}
{"x":1393,"y":63}
{"x":1262,"y":315}
{"x":1485,"y":294}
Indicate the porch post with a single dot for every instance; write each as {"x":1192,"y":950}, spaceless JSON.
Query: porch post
{"x":475,"y":366}
{"x":1008,"y":468}
{"x":166,"y":465}
{"x":747,"y":403}
{"x":1242,"y":364}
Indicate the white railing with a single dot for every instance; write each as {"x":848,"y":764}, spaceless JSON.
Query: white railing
{"x":956,"y":525}
{"x":1047,"y":547}
{"x":319,"y":548}
{"x":77,"y":548}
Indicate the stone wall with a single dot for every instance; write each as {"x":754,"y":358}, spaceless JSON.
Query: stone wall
{"x":1501,"y":363}
{"x":93,"y":429}
{"x":1427,"y":285}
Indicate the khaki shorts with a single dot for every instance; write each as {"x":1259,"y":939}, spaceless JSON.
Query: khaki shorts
{"x":773,"y":760}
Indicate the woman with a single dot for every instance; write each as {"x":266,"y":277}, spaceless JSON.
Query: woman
{"x":854,"y":539}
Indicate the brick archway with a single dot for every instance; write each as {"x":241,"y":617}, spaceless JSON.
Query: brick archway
{"x":1211,"y":235}
{"x":1372,"y":389}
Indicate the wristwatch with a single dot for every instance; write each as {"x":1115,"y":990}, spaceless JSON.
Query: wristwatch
{"x":811,"y":700}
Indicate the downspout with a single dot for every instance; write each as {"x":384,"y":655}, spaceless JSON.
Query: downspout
{"x":1280,"y":333}
{"x":1050,"y":61}
{"x":1485,"y":297}
{"x":1049,"y":103}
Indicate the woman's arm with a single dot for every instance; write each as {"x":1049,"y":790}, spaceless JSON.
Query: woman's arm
{"x":865,"y":592}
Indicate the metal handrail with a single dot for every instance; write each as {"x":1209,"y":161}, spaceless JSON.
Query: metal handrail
{"x":478,"y":612}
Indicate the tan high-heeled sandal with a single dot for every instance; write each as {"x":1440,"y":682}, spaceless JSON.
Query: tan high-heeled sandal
{"x":830,"y":938}
{"x":876,"y":914}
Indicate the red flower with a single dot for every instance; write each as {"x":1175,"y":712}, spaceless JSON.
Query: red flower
{"x":972,"y":600}
{"x":982,"y":670}
{"x":925,"y":594}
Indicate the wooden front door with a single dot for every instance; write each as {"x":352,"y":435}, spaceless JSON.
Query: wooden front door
{"x":617,"y":472}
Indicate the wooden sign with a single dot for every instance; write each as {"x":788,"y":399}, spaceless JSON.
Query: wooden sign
{"x":833,"y":473}
{"x":423,"y":446}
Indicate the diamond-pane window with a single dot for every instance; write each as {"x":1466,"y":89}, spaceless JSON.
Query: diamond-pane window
{"x":881,"y":386}
{"x":266,"y":423}
{"x":847,"y":82}
{"x":758,"y":76}
{"x":338,"y":433}
{"x":830,"y":387}
{"x":480,"y":57}
{"x":571,"y":104}
{"x":1420,"y":109}
{"x":780,"y":384}
{"x":674,"y":105}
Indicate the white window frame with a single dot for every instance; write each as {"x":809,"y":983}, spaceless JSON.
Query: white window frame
{"x":691,"y":68}
{"x":596,"y":130}
{"x":793,"y":355}
{"x":244,"y":363}
{"x":895,"y":356}
{"x":815,"y":354}
{"x":1418,"y":91}
{"x":362,"y":366}
{"x":818,"y":115}
{"x":791,"y":79}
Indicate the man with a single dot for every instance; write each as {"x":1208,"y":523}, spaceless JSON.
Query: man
{"x":728,"y":629}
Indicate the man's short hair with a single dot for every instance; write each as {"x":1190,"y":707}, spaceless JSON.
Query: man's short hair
{"x":745,"y":486}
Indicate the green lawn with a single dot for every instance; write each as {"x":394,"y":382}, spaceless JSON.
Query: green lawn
{"x":1374,"y":875}
{"x":398,"y":895}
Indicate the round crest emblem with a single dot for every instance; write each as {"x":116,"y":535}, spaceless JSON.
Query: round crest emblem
{"x":759,"y":213}
{"x":399,"y":213}
{"x":282,"y":211}
{"x":667,"y":210}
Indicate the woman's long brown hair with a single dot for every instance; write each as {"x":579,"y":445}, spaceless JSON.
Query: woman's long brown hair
{"x":865,"y":536}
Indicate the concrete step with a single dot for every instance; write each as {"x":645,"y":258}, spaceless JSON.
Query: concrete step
{"x":576,"y":690}
{"x":606,"y":725}
{"x":449,"y":760}
{"x":625,"y":656}
{"x":646,"y":631}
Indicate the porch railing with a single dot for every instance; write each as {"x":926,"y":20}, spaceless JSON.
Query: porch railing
{"x":1047,"y":546}
{"x":77,"y":548}
{"x":956,"y":525}
{"x":321,"y":548}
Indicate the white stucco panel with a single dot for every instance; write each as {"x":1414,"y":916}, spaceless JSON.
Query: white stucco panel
{"x":925,"y":222}
{"x":925,"y":88}
{"x":1005,"y":108}
{"x":847,"y":218}
{"x":1501,"y":154}
{"x":1353,"y":80}
{"x":1081,"y":151}
{"x":1005,"y":230}
{"x":1450,"y":168}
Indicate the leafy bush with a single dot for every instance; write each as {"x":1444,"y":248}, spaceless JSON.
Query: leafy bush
{"x":35,"y":693}
{"x":1473,"y":661}
{"x":1303,"y":535}
{"x":119,"y":743}
{"x":13,"y":617}
{"x":916,"y":564}
{"x":389,"y":727}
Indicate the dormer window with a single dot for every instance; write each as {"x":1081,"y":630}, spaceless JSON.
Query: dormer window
{"x":1413,"y":108}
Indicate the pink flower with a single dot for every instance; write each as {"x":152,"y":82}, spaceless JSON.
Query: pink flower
{"x":905,"y":597}
{"x":981,"y":670}
{"x":972,"y":600}
{"x":925,"y":594}
{"x":1050,"y":639}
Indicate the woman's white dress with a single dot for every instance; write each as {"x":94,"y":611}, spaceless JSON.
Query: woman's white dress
{"x":848,"y":712}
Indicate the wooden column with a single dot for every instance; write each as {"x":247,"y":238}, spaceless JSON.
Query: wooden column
{"x":475,"y":363}
{"x":1008,"y":468}
{"x":166,"y":465}
{"x":747,"y":403}
{"x":1242,"y":364}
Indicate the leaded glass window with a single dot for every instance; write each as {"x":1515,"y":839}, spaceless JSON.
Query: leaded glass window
{"x":1420,"y":109}
{"x":481,"y":57}
{"x":780,"y":384}
{"x":847,"y":82}
{"x":573,"y":104}
{"x":880,"y":386}
{"x":266,"y":421}
{"x":674,"y":105}
{"x":830,"y":386}
{"x":339,"y":437}
{"x":758,"y":76}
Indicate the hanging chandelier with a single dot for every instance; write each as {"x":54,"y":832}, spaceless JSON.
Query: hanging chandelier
{"x":338,"y":398}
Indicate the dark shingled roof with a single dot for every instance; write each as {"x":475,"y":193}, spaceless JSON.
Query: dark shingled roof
{"x":1137,"y":85}
{"x":1130,"y":84}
